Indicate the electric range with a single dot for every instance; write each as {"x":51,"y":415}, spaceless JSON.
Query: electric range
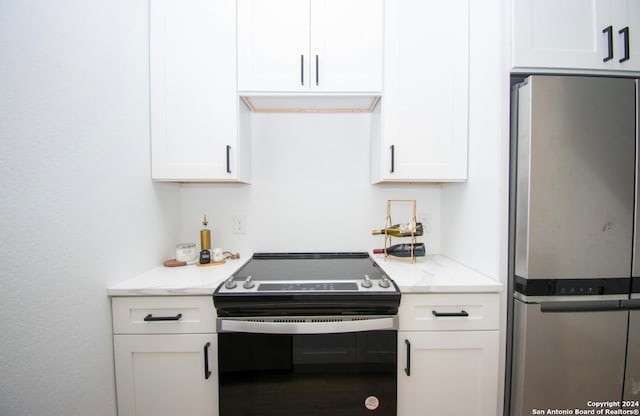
{"x":340,"y":283}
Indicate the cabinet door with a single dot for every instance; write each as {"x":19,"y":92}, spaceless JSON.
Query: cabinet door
{"x":565,"y":34}
{"x":164,"y":375}
{"x":626,"y":15}
{"x":194,"y":104}
{"x":346,"y":45}
{"x":424,"y":110}
{"x":273,"y":45}
{"x":450,"y":373}
{"x":310,"y":45}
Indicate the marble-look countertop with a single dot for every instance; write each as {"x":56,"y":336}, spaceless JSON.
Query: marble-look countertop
{"x":430,"y":274}
{"x":436,"y":274}
{"x":175,"y":281}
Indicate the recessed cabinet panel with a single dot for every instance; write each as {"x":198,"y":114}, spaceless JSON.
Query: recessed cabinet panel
{"x":626,"y":19}
{"x":424,"y":109}
{"x":566,"y":34}
{"x":576,"y":35}
{"x":273,"y":45}
{"x":450,"y":373}
{"x":194,"y":103}
{"x":164,"y":375}
{"x":347,"y":40}
{"x":317,"y":46}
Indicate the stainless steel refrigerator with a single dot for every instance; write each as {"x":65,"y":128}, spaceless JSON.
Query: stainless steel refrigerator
{"x":574,"y":315}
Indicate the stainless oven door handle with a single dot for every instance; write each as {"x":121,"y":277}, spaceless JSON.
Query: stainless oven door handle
{"x":330,"y":327}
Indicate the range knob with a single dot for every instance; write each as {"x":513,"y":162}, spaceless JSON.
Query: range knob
{"x":248,"y":283}
{"x":230,"y":284}
{"x":384,"y":282}
{"x":366,"y":282}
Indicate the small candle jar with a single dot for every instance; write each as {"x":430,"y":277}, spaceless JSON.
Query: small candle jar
{"x":186,"y":252}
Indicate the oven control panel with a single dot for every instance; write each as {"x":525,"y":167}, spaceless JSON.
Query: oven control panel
{"x":247,"y":284}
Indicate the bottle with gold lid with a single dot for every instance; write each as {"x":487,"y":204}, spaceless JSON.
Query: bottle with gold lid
{"x":205,"y":242}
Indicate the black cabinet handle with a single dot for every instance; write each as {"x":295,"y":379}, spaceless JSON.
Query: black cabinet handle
{"x":228,"y":159}
{"x":301,"y":69}
{"x":207,"y":373}
{"x":625,"y":34}
{"x":393,"y":158}
{"x":440,"y":314}
{"x":317,"y":71}
{"x":407,"y":369}
{"x":151,"y":318}
{"x":609,"y":31}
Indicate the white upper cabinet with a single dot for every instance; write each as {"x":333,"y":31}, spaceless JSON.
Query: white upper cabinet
{"x":626,"y":21}
{"x":576,"y":34}
{"x":310,"y":45}
{"x":196,"y":129}
{"x":420,"y":127}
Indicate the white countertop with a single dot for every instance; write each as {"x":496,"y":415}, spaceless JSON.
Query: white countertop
{"x":436,"y":274}
{"x":430,"y":274}
{"x":184,"y":280}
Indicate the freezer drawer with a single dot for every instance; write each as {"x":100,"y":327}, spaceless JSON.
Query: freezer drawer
{"x":565,"y":357}
{"x":632,"y":376}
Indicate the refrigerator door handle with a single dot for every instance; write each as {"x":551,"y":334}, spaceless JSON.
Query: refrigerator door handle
{"x":631,"y":304}
{"x":581,"y":306}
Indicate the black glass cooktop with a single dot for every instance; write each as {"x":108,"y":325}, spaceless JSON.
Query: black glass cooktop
{"x":304,"y":267}
{"x":274,"y":284}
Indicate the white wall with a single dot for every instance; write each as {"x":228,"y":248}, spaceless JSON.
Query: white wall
{"x":474,"y":220}
{"x":310,"y":190}
{"x":475,"y":213}
{"x":77,"y":209}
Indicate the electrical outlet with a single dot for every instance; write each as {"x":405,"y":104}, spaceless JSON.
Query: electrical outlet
{"x":239,"y":224}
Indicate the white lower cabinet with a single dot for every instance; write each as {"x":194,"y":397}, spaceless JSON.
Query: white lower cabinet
{"x":448,"y":364}
{"x":166,"y":374}
{"x":166,"y":355}
{"x":163,"y":370}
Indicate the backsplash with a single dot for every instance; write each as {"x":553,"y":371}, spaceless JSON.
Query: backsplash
{"x":310,"y":191}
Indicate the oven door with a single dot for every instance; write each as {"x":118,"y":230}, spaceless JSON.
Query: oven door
{"x":311,"y":366}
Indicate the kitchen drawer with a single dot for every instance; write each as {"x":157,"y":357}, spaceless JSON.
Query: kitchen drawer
{"x":466,"y":311}
{"x":166,"y":315}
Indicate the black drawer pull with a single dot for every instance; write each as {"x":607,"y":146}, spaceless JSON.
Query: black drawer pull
{"x":440,"y":314}
{"x":393,"y":158}
{"x":207,"y":373}
{"x":151,"y":318}
{"x":407,"y":369}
